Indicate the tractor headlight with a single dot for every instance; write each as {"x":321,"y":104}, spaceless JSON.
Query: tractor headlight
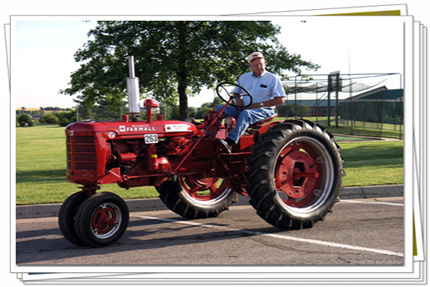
{"x":112,"y":135}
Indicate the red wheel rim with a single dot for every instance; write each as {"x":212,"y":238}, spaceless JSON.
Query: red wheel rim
{"x":297,"y":174}
{"x":203,"y":189}
{"x":105,"y":220}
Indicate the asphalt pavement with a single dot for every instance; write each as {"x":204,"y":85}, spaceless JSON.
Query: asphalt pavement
{"x":359,"y":233}
{"x":139,"y":205}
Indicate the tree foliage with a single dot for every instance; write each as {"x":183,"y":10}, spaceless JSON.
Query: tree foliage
{"x":59,"y":118}
{"x":50,"y":118}
{"x":173,"y":58}
{"x":24,"y":119}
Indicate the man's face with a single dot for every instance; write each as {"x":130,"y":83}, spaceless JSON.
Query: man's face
{"x":258,"y":66}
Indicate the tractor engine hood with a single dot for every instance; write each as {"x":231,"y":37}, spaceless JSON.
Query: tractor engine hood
{"x":164,"y":128}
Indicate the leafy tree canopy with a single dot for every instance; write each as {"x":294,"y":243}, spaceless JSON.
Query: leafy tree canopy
{"x":173,"y":58}
{"x":23,"y":119}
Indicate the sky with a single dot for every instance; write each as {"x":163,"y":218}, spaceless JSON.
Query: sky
{"x":43,"y":49}
{"x":43,"y":61}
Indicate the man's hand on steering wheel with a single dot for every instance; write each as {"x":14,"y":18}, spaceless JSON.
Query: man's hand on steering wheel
{"x":233,"y":99}
{"x":238,"y":102}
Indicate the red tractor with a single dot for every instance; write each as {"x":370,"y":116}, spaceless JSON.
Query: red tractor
{"x":291,"y":170}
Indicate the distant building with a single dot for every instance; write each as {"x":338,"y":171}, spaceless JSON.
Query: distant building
{"x":379,"y":105}
{"x":378,"y":94}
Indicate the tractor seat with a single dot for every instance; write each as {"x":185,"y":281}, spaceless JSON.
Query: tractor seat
{"x":257,"y":125}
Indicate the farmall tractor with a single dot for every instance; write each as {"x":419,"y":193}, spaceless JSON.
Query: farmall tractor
{"x":290,"y":170}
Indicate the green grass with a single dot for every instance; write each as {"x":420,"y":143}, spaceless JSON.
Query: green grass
{"x":41,"y":166}
{"x":372,"y":163}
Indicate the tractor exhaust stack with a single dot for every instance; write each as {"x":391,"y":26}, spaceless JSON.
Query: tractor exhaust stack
{"x":133,"y":89}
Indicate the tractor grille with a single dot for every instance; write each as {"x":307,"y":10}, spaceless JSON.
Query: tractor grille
{"x":82,"y":152}
{"x":69,"y":152}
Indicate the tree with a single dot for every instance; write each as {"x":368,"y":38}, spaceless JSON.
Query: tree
{"x":50,"y":118}
{"x":65,"y":118}
{"x":206,"y":107}
{"x":25,"y":119}
{"x":173,"y":58}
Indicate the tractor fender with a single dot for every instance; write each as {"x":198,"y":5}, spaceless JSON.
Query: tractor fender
{"x":264,"y":129}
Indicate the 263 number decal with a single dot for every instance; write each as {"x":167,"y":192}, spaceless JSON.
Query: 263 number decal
{"x":151,"y":138}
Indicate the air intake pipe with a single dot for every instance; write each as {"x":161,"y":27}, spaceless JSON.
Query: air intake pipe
{"x":133,"y":90}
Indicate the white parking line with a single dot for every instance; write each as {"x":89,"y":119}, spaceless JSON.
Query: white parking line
{"x":311,"y":241}
{"x":372,"y":202}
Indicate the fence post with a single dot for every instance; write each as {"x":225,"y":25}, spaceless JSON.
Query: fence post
{"x":337,"y":101}
{"x":295,"y":98}
{"x":316,"y":102}
{"x":328,"y":100}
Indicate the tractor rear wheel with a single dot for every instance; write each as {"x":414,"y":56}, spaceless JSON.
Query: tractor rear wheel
{"x":294,"y":174}
{"x":101,"y":219}
{"x":194,"y":197}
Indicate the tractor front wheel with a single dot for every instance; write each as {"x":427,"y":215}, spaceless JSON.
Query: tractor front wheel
{"x":101,"y":219}
{"x":67,"y":216}
{"x":192,"y":196}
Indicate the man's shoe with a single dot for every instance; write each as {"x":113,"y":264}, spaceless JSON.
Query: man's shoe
{"x":225,"y":145}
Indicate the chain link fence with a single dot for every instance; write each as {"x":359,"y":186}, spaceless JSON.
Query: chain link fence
{"x":355,"y":105}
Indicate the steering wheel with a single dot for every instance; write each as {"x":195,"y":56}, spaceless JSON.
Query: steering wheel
{"x":225,"y":92}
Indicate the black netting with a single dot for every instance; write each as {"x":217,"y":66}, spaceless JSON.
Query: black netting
{"x":348,"y":104}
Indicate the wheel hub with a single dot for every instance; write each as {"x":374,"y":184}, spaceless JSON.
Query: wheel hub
{"x":104,"y":220}
{"x":297,"y":174}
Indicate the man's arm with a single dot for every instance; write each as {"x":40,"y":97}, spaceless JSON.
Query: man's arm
{"x":270,"y":103}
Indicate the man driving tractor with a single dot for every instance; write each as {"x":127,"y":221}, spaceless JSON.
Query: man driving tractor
{"x":267,"y":92}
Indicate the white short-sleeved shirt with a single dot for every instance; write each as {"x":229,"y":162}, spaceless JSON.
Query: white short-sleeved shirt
{"x":262,"y":88}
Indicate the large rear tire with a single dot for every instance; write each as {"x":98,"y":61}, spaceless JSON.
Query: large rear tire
{"x":194,"y":197}
{"x":294,"y":174}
